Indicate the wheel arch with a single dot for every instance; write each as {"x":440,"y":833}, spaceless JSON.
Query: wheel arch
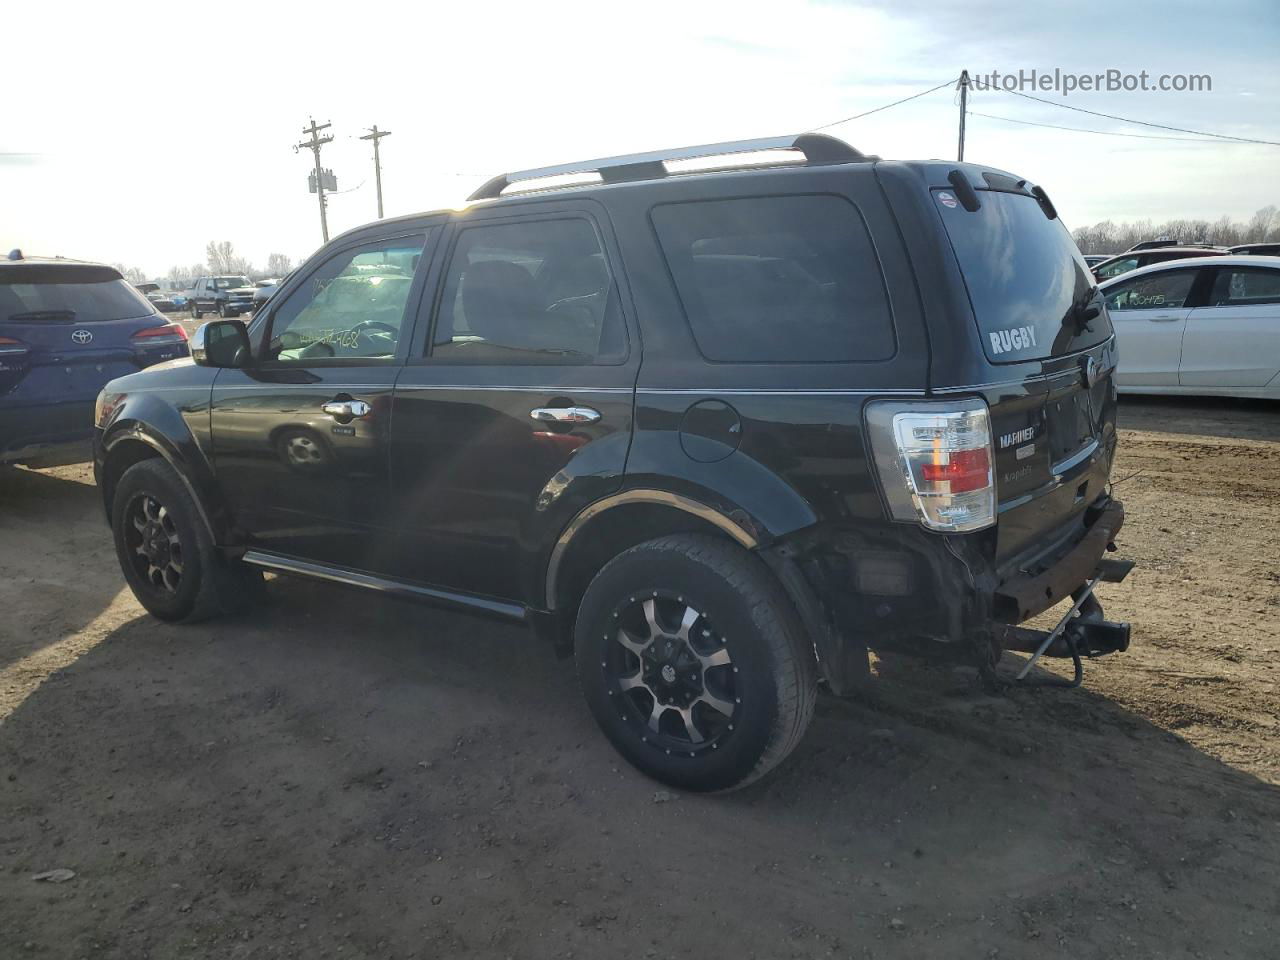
{"x":133,"y":442}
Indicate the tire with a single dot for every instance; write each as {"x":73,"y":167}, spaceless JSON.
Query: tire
{"x":222,"y":311}
{"x":165,"y":551}
{"x":741,"y":669}
{"x":195,"y":311}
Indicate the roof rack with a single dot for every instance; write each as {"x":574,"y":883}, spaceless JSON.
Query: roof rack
{"x":816,"y":147}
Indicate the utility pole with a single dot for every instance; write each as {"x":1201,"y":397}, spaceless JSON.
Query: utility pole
{"x":964,"y":107}
{"x":314,"y":145}
{"x":375,"y":135}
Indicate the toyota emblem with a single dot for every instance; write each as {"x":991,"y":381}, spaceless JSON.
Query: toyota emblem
{"x":81,"y":336}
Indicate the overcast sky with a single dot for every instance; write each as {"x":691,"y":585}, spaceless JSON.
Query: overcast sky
{"x":135,"y":132}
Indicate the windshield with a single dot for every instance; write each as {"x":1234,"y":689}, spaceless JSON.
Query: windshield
{"x":62,"y":302}
{"x":1024,"y":275}
{"x":226,"y":283}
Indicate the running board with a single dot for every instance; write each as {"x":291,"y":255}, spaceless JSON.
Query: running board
{"x":394,"y":588}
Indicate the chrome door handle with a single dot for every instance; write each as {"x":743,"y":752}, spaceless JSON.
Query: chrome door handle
{"x":565,"y":414}
{"x":1164,"y":319}
{"x":345,"y":410}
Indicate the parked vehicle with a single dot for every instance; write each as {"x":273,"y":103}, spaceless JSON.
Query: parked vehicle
{"x":262,"y":291}
{"x":1124,"y":262}
{"x":158,"y":299}
{"x":226,"y":296}
{"x":1164,"y":243}
{"x":1257,"y":250}
{"x":875,"y":410}
{"x":66,"y":328}
{"x":1199,"y":327}
{"x":1093,"y":259}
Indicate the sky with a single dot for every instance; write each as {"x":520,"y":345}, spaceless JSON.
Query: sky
{"x":136,"y":132}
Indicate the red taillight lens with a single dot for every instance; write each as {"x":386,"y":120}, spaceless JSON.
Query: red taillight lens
{"x":164,"y":330}
{"x":8,"y":343}
{"x":965,"y":470}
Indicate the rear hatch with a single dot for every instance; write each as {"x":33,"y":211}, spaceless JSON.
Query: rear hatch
{"x":1048,"y":347}
{"x":66,"y":329}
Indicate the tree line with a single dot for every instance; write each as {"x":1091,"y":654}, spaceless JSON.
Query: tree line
{"x":1111,"y":237}
{"x":220,"y":259}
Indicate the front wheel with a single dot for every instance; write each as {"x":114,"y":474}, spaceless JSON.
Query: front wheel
{"x":694,"y":662}
{"x":222,"y":311}
{"x":195,"y":311}
{"x":165,"y":551}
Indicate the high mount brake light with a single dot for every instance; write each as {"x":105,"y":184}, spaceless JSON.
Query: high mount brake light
{"x":174,"y":331}
{"x":935,"y":462}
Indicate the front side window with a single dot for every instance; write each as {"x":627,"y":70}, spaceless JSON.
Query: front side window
{"x":351,"y":308}
{"x":1118,"y":267}
{"x":1245,"y":286}
{"x":778,"y":279}
{"x":1162,"y":291}
{"x":535,"y":291}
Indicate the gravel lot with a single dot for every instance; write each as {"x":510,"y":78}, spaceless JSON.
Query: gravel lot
{"x":342,"y":775}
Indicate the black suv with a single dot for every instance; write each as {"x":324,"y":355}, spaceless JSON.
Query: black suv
{"x":227,"y":296}
{"x":716,"y":433}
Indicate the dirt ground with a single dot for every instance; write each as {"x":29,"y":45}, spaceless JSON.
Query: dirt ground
{"x":346,"y":776}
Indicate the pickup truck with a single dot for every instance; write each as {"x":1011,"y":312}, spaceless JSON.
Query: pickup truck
{"x":228,"y":296}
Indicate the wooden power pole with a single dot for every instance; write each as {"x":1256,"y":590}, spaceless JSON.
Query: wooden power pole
{"x":375,"y":135}
{"x":964,"y":108}
{"x":314,"y":145}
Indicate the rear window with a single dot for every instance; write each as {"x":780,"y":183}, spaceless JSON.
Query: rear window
{"x":1024,"y":275}
{"x":65,"y":302}
{"x":778,"y":279}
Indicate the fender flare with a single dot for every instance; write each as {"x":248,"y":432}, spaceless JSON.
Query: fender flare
{"x":136,"y":431}
{"x":697,"y":508}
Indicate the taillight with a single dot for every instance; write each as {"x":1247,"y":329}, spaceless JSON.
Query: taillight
{"x":10,"y":346}
{"x":171,"y":332}
{"x":935,"y":462}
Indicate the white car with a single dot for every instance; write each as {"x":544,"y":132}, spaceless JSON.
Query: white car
{"x":1204,"y":326}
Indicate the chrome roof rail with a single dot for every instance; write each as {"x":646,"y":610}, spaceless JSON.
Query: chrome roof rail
{"x":816,"y":147}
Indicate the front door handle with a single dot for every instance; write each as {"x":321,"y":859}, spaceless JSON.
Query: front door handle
{"x":1165,"y":318}
{"x":344,"y":411}
{"x":565,"y":414}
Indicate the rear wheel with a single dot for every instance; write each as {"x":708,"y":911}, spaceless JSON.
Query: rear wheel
{"x":694,"y":663}
{"x":165,"y":551}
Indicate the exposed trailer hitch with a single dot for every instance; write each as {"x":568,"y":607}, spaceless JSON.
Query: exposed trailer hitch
{"x":1082,"y":630}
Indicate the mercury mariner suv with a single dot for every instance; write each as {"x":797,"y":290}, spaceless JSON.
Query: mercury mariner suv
{"x":716,"y":428}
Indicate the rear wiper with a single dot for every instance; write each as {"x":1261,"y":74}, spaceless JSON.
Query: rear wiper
{"x":1083,"y":311}
{"x":43,"y":315}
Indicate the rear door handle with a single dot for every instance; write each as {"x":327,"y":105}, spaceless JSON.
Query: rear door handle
{"x":565,"y":414}
{"x":344,"y":411}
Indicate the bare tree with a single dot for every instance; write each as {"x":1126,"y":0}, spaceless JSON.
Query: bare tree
{"x":132,"y":274}
{"x":278,"y":264}
{"x":222,"y":258}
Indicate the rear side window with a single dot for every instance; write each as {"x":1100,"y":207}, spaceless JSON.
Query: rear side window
{"x":72,"y":302}
{"x":1245,"y":286}
{"x":778,"y":279}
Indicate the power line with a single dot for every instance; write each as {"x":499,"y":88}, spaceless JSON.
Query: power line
{"x":867,"y":113}
{"x":1105,"y":133}
{"x":1144,"y":123}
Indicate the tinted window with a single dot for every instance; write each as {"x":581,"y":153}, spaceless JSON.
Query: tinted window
{"x":1245,"y":286}
{"x":351,"y":308}
{"x":1163,"y":290}
{"x":104,"y":300}
{"x":1025,"y":277}
{"x":781,"y":279}
{"x":536,"y":291}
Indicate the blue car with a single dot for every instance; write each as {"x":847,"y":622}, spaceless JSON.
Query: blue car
{"x":66,"y":328}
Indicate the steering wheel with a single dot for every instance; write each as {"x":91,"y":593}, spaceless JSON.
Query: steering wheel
{"x":370,"y":324}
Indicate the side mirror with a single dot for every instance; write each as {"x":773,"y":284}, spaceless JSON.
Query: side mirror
{"x":221,"y":343}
